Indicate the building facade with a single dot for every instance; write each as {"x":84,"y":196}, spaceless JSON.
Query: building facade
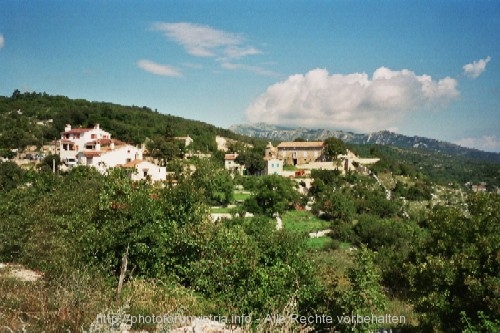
{"x":143,"y":170}
{"x":231,"y":165}
{"x":293,"y":153}
{"x":95,"y":147}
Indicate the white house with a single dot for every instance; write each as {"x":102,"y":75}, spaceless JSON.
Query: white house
{"x":94,"y":147}
{"x":143,"y":170}
{"x":274,"y":166}
{"x":108,"y":153}
{"x":231,"y":164}
{"x":73,"y":140}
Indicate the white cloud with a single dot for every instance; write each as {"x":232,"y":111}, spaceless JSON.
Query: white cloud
{"x":254,"y":69}
{"x":204,"y":41}
{"x":476,"y":68}
{"x":158,"y":69}
{"x":352,"y":101}
{"x":235,"y":52}
{"x":2,"y":41}
{"x":486,"y":143}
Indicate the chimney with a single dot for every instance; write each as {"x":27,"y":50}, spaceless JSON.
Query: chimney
{"x":67,"y":128}
{"x":96,"y":126}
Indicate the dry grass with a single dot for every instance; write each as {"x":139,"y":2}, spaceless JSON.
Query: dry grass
{"x":54,"y":306}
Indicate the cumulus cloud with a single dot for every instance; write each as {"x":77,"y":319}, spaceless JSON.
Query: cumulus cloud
{"x":486,"y":143}
{"x":2,"y":41}
{"x":158,"y":69}
{"x":476,"y":68}
{"x":353,"y":101}
{"x":205,"y":41}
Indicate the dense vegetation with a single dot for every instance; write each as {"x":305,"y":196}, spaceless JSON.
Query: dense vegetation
{"x":438,"y":167}
{"x":400,"y":242}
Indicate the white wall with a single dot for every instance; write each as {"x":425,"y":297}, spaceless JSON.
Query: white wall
{"x":145,"y":170}
{"x":110,"y":159}
{"x":274,"y":167}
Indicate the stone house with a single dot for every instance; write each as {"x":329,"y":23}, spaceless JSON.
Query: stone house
{"x":293,"y":153}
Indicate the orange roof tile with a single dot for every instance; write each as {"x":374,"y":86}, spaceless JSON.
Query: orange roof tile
{"x":131,"y":164}
{"x":230,"y":156}
{"x":77,"y":130}
{"x":315,"y":144}
{"x":91,"y":153}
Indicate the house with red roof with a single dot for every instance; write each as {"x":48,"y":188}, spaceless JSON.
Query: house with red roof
{"x":95,"y":147}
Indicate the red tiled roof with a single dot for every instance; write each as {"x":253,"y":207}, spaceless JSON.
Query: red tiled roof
{"x":315,"y":144}
{"x":230,"y":156}
{"x":106,"y":142}
{"x":131,"y":164}
{"x":78,"y":130}
{"x":91,"y":153}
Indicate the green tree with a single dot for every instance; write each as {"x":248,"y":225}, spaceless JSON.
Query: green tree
{"x":275,"y":194}
{"x":335,"y":205}
{"x":458,"y":268}
{"x":11,"y":176}
{"x":334,"y":147}
{"x":253,"y":161}
{"x":363,"y":297}
{"x":165,"y":149}
{"x":215,"y":181}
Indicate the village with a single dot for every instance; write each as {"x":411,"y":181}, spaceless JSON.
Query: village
{"x":94,"y":147}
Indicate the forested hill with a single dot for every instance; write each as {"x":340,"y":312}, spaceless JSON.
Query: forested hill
{"x":20,"y":113}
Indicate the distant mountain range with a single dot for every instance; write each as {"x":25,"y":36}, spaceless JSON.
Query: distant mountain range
{"x":280,"y":133}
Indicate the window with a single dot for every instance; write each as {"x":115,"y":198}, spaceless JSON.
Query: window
{"x":92,"y":136}
{"x":145,"y":173}
{"x":129,"y":160}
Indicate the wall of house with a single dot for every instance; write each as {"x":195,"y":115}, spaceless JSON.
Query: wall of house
{"x":149,"y":171}
{"x":120,"y":155}
{"x":274,"y":167}
{"x":232,"y":166}
{"x":79,"y":140}
{"x":300,"y":156}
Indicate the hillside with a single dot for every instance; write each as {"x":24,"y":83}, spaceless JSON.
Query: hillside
{"x":35,"y":118}
{"x":279,"y":133}
{"x":442,"y":162}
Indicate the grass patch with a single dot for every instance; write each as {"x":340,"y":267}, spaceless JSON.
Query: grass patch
{"x":290,"y":167}
{"x":320,"y":243}
{"x":303,"y":221}
{"x":241,"y":195}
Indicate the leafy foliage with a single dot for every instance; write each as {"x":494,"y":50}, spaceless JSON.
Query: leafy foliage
{"x":459,"y":268}
{"x":216,"y":183}
{"x":333,"y":148}
{"x":275,"y":194}
{"x":11,"y":176}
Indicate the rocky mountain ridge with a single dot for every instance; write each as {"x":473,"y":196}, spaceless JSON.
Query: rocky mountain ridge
{"x":282,"y":133}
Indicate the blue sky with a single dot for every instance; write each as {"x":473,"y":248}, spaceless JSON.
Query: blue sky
{"x":428,"y":68}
